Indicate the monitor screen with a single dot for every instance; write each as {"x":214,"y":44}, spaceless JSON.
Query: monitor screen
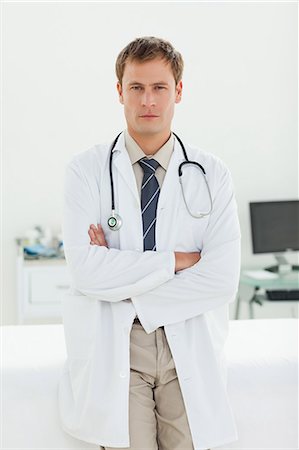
{"x":274,"y":226}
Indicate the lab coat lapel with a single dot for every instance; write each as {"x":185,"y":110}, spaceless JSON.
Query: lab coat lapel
{"x":169,"y":201}
{"x":123,"y":165}
{"x":127,"y":201}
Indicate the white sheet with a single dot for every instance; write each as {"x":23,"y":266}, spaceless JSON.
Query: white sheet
{"x":262,"y":384}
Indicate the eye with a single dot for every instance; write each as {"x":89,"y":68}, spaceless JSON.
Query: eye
{"x":160,"y":87}
{"x":136,"y":88}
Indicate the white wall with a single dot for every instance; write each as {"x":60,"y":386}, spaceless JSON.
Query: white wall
{"x":59,"y":97}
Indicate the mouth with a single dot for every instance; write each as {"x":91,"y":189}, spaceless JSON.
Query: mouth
{"x":148,"y":116}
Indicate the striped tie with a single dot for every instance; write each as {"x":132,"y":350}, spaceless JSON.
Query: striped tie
{"x":150,"y":191}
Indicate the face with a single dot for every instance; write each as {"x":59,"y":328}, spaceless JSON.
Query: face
{"x":149,"y":93}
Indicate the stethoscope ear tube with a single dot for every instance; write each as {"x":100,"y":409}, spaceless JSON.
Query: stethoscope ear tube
{"x":183,"y":147}
{"x":190,"y":162}
{"x":110,"y":170}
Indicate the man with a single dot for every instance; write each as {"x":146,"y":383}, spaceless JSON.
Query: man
{"x":147,"y":315}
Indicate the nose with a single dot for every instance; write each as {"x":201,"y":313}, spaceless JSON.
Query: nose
{"x":148,"y":99}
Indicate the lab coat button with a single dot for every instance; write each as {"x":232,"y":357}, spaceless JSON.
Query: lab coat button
{"x":137,"y":249}
{"x":122,"y":374}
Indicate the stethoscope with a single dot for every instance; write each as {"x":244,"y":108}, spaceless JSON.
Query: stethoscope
{"x":115,"y":221}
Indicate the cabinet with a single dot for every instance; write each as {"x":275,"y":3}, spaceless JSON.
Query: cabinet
{"x":40,"y":286}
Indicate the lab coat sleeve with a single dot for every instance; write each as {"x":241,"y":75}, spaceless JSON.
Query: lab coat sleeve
{"x":96,"y":271}
{"x":212,"y":281}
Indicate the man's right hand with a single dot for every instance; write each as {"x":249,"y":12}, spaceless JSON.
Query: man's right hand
{"x":184,"y":260}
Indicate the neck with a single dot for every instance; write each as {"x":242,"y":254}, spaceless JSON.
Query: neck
{"x":150,"y":143}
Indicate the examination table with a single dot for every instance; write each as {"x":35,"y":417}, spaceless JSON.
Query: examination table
{"x":262,"y":385}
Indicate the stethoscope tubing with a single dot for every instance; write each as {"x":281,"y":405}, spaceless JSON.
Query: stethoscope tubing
{"x":110,"y":171}
{"x":116,"y":218}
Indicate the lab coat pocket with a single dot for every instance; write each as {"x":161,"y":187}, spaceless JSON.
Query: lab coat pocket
{"x":189,"y":231}
{"x":79,"y":321}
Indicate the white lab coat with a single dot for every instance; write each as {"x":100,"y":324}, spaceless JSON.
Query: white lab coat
{"x":192,"y":304}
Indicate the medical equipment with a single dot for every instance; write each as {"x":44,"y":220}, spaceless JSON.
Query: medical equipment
{"x":115,"y":221}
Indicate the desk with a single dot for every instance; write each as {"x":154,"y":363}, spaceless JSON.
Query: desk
{"x":284,"y":281}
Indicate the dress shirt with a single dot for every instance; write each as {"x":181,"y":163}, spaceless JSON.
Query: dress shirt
{"x":163,"y":156}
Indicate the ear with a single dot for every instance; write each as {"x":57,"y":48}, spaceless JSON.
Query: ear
{"x":119,"y":89}
{"x":178,"y":94}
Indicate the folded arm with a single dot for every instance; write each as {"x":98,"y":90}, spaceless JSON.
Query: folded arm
{"x":97,"y":271}
{"x":183,"y":260}
{"x":201,"y":286}
{"x":210,"y":283}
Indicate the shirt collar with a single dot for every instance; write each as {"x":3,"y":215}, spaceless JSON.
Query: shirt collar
{"x":163,"y":155}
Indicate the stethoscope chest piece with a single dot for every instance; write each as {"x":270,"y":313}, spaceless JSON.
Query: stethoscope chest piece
{"x":114,"y":221}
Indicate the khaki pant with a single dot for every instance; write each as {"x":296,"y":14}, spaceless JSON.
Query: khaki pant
{"x":157,"y":416}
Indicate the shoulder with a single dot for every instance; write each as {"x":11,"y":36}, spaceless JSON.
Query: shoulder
{"x":91,"y":159}
{"x":211,"y":163}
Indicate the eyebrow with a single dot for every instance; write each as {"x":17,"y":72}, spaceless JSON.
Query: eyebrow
{"x":153,"y":84}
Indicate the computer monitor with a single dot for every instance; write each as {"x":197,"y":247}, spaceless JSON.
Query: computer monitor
{"x":275,"y":227}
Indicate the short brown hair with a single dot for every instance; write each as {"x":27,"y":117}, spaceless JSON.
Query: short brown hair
{"x":147,"y":48}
